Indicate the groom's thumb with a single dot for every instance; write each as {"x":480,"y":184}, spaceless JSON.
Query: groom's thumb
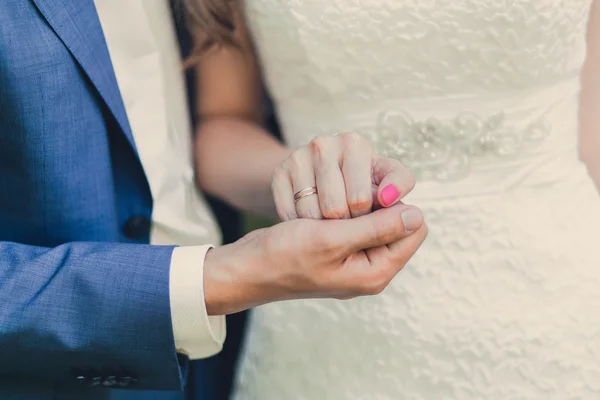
{"x":379,"y":228}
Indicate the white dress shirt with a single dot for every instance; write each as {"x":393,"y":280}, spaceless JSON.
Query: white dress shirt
{"x":143,"y":47}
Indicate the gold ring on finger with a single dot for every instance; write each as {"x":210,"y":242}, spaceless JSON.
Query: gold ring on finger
{"x":304,"y":192}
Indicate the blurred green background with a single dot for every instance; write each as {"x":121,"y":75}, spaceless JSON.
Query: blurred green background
{"x":252,"y":222}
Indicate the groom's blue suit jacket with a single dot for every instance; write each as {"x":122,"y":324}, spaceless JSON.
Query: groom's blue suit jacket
{"x":84,"y":301}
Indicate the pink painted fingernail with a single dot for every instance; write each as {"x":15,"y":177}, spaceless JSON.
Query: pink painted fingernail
{"x":389,"y":195}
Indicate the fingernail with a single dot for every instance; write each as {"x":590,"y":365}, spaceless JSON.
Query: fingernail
{"x":389,"y":195}
{"x":412,"y":219}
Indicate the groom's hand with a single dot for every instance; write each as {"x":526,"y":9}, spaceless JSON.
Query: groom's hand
{"x":336,"y":177}
{"x":313,"y":259}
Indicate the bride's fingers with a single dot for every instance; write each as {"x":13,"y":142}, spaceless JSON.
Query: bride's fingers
{"x":303,"y":178}
{"x":283,"y":194}
{"x":357,"y":159}
{"x":374,"y":197}
{"x":393,"y":179}
{"x":330,"y":181}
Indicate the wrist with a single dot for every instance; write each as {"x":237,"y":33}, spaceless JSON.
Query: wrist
{"x":217,"y":283}
{"x":232,"y":283}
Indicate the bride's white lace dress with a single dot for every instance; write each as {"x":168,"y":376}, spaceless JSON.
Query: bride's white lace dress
{"x":479,"y":98}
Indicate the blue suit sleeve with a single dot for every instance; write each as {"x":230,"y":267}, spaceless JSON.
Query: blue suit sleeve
{"x":95,"y":314}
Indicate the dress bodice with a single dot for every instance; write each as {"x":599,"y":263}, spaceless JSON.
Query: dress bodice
{"x":318,"y":50}
{"x":453,"y":76}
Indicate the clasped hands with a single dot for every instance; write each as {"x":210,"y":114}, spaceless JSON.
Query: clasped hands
{"x":347,"y":238}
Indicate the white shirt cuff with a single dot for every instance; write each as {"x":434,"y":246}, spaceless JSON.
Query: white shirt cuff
{"x":197,"y":334}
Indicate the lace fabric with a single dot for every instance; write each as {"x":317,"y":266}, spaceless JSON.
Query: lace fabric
{"x":374,"y":49}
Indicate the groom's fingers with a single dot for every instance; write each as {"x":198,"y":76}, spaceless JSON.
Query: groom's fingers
{"x":399,"y":252}
{"x":385,"y":262}
{"x":403,"y":249}
{"x":379,"y":228}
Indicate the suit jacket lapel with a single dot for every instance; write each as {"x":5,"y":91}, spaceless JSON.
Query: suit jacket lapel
{"x":76,"y":23}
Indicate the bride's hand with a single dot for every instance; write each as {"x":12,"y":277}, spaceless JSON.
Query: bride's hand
{"x":337,"y":177}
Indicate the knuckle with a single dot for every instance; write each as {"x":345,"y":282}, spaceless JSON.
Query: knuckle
{"x":312,"y":213}
{"x":331,"y":210}
{"x":401,"y":172}
{"x":355,"y":144}
{"x":290,"y":216}
{"x":287,"y":215}
{"x":296,"y":161}
{"x":279,"y":174}
{"x":361,"y":203}
{"x":318,"y":145}
{"x":334,"y":213}
{"x":300,"y":158}
{"x":351,"y":137}
{"x":281,"y":169}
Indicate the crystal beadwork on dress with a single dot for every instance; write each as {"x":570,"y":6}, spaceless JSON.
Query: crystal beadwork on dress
{"x":436,"y":149}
